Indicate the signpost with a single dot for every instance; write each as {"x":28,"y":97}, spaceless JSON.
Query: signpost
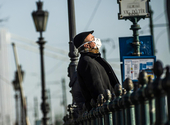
{"x":135,"y":55}
{"x":134,"y":10}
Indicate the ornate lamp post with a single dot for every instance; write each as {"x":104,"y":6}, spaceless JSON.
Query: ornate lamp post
{"x":40,"y":18}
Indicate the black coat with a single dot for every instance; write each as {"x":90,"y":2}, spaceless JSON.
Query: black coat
{"x":76,"y":91}
{"x":95,"y":75}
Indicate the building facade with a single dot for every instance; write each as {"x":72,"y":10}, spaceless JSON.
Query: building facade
{"x":5,"y":82}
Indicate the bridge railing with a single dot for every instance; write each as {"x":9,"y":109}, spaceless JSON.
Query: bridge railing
{"x":149,"y":104}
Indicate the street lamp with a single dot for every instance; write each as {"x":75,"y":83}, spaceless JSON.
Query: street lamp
{"x":40,"y":18}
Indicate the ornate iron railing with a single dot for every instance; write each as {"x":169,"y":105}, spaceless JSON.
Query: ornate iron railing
{"x":149,"y":104}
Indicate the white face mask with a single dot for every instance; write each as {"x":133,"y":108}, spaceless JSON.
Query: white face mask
{"x":98,"y":42}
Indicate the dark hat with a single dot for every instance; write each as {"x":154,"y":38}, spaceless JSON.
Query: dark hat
{"x":79,"y":38}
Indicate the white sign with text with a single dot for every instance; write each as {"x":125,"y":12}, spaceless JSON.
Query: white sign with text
{"x":133,"y":8}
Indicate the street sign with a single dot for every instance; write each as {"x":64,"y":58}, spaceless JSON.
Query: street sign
{"x":133,"y":8}
{"x":133,"y":65}
{"x":126,"y":47}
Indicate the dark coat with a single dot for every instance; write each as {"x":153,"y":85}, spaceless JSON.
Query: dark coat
{"x":76,"y":91}
{"x":95,"y":75}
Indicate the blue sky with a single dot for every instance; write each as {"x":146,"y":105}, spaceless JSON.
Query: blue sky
{"x":104,"y":22}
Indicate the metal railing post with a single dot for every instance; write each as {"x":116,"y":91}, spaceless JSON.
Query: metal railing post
{"x":144,"y":103}
{"x":106,"y":112}
{"x":88,"y":118}
{"x":111,"y":108}
{"x":122,"y":106}
{"x":129,"y":107}
{"x":149,"y":94}
{"x":100,"y":118}
{"x":135,"y":101}
{"x":166,"y":87}
{"x":159,"y":93}
{"x":96,"y":112}
{"x":118,"y":109}
{"x":84,"y":115}
{"x":91,"y":113}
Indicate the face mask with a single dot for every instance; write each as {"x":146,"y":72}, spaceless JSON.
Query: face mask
{"x":98,"y":42}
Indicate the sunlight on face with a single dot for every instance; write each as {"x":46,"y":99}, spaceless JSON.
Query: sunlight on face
{"x":90,"y":37}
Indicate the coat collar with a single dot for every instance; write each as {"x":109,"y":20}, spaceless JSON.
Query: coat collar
{"x":92,"y":55}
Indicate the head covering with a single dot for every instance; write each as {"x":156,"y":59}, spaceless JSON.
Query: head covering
{"x":79,"y":38}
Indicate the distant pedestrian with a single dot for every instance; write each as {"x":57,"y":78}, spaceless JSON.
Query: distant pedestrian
{"x":95,"y":75}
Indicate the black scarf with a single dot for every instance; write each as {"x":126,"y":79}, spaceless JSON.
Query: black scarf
{"x":92,"y":55}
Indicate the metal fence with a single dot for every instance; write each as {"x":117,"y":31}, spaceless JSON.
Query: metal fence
{"x":147,"y":104}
